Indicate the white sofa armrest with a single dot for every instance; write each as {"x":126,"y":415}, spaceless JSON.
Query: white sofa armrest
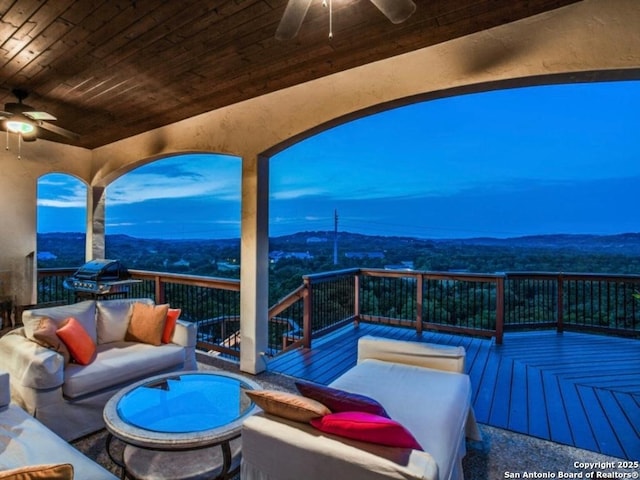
{"x":185,"y":333}
{"x":439,"y":357}
{"x":277,"y":449}
{"x":29,"y":364}
{"x":5,"y":389}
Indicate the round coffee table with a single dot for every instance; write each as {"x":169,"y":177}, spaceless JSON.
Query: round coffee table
{"x":180,"y":426}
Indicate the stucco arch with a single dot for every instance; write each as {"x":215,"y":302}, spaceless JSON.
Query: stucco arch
{"x":533,"y":81}
{"x":108,"y":178}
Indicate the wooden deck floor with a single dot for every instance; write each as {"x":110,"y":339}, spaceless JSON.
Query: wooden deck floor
{"x":576,"y":389}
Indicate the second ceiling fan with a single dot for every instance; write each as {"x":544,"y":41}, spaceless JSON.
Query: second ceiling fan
{"x":397,"y":11}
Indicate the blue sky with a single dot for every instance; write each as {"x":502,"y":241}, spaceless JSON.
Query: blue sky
{"x":551,"y":159}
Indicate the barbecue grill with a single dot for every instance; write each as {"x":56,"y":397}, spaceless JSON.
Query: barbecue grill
{"x":100,"y":278}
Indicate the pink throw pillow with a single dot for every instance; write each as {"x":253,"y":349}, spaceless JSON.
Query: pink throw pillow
{"x":367,"y":427}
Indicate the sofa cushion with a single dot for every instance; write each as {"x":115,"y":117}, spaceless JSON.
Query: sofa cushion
{"x":81,"y":347}
{"x":146,"y":323}
{"x":44,"y":333}
{"x":84,"y":312}
{"x":338,"y":400}
{"x":118,"y":363}
{"x":288,"y":405}
{"x":62,"y":471}
{"x":367,"y":427}
{"x":113,"y":318}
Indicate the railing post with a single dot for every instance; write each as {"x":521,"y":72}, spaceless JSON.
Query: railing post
{"x":499,"y":309}
{"x":307,"y":315}
{"x":560,"y":314}
{"x":160,"y":291}
{"x":419,"y":283}
{"x":356,"y":299}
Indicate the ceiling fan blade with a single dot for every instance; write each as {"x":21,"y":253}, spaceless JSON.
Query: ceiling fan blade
{"x":396,"y":10}
{"x":39,"y":116}
{"x":292,"y":19}
{"x":59,"y":131}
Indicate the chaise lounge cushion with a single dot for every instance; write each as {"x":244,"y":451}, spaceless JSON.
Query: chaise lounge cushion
{"x":407,"y":392}
{"x":118,"y":363}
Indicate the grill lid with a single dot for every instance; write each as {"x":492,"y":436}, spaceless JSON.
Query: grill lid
{"x":103,"y":271}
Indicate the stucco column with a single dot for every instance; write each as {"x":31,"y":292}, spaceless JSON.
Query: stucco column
{"x":94,"y":247}
{"x":254,"y":269}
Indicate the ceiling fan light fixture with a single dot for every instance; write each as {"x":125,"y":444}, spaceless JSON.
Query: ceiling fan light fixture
{"x":19,"y":125}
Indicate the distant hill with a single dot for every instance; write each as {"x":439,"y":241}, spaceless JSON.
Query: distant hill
{"x":624,"y":243}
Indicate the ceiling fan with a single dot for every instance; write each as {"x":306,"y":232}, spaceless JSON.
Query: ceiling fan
{"x":26,"y":120}
{"x":397,"y":11}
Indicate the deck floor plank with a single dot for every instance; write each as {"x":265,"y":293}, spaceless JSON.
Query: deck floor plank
{"x":573,"y":388}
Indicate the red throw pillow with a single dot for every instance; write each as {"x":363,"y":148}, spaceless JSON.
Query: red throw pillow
{"x":367,"y":427}
{"x":339,"y":400}
{"x":170,"y":324}
{"x":77,"y":340}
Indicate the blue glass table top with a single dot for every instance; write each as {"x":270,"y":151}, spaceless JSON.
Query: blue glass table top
{"x":185,"y":403}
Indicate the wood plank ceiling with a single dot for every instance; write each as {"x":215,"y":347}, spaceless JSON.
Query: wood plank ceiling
{"x":111,"y":69}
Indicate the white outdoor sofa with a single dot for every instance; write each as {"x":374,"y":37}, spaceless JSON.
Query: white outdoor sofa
{"x":69,"y":399}
{"x":421,"y":386}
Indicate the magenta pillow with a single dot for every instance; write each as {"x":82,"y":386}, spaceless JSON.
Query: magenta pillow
{"x":340,"y":401}
{"x":367,"y":428}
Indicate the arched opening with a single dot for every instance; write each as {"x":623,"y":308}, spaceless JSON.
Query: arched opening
{"x":192,"y":197}
{"x":61,"y":220}
{"x":516,"y":162}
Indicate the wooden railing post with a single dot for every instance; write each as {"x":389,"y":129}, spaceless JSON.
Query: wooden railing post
{"x":307,"y":315}
{"x":419,"y":294}
{"x":356,"y":299}
{"x":560,"y":314}
{"x":499,"y":309}
{"x":159,"y":291}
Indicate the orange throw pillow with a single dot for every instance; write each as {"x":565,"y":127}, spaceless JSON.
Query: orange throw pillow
{"x":75,"y":337}
{"x":146,"y":323}
{"x":170,"y":324}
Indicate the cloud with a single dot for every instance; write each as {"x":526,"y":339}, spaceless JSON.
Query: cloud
{"x":293,"y":194}
{"x":178,"y":178}
{"x":62,"y":203}
{"x":61,"y":191}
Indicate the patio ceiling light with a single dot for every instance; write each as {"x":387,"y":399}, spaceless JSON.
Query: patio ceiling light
{"x":20,"y":124}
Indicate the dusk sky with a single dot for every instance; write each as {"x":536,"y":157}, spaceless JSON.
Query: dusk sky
{"x":552,"y":159}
